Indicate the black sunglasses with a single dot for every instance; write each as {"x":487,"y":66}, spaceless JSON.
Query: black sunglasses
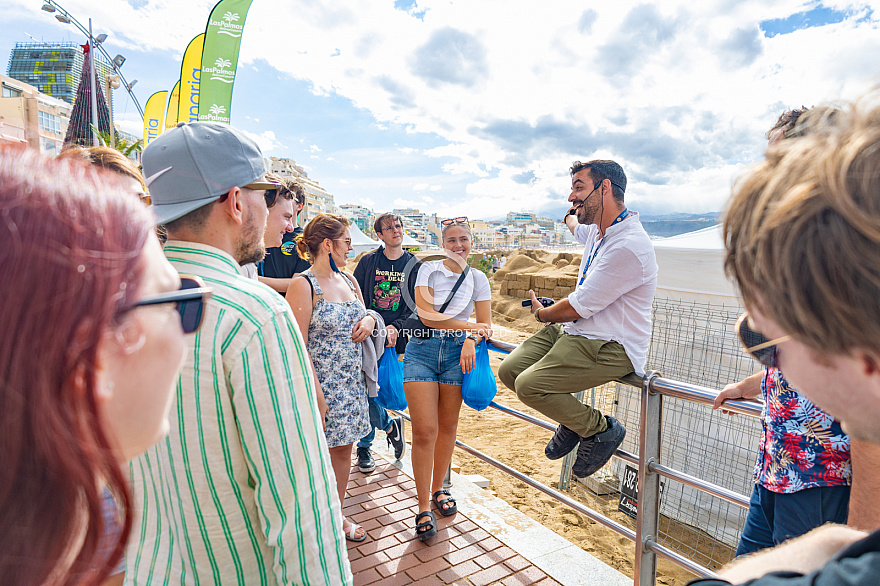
{"x":756,"y":344}
{"x":190,"y":300}
{"x":271,"y":196}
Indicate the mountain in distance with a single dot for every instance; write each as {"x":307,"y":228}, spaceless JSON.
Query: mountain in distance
{"x":678,"y":223}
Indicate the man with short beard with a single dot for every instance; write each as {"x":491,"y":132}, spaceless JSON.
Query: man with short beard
{"x":601,"y":331}
{"x":242,"y":489}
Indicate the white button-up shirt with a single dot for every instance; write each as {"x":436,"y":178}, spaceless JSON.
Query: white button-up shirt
{"x":615,"y":295}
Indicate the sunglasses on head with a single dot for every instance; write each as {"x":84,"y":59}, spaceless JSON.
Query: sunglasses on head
{"x":190,"y":300}
{"x":458,"y":220}
{"x":756,"y":344}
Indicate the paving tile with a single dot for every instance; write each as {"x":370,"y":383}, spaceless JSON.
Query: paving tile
{"x":435,"y":551}
{"x":379,"y":502}
{"x":367,"y":577}
{"x":397,"y":566}
{"x":495,"y":557}
{"x":549,"y":582}
{"x":367,"y":515}
{"x":378,"y":545}
{"x":489,"y":575}
{"x":396,"y":580}
{"x":430,"y":581}
{"x":427,"y":568}
{"x":368,"y":561}
{"x":462,"y":555}
{"x":459,"y":572}
{"x":530,"y":575}
{"x":517,"y":563}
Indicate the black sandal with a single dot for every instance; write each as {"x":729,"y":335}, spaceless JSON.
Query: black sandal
{"x":445,"y":511}
{"x":430,"y":527}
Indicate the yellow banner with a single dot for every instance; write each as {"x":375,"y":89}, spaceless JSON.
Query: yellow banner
{"x":190,"y":73}
{"x":154,"y":114}
{"x":173,"y":104}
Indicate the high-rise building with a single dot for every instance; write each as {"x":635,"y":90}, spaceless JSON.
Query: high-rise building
{"x":318,"y":200}
{"x":53,"y":68}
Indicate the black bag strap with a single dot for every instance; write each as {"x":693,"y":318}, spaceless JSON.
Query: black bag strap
{"x":455,"y":288}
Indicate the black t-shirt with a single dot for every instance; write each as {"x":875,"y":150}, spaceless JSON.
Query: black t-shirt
{"x":283,"y":262}
{"x":387,"y":283}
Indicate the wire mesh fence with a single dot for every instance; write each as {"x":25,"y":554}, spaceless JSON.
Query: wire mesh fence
{"x":694,"y":343}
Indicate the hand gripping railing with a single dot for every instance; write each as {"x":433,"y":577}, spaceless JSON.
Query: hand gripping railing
{"x":653,"y":388}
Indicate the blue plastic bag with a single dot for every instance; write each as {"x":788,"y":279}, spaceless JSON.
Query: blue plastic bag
{"x":479,"y":388}
{"x":391,"y":381}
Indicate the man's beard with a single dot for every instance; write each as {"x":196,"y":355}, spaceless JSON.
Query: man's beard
{"x":249,"y":248}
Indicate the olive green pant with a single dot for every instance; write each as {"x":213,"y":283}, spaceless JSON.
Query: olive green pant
{"x":548,"y":368}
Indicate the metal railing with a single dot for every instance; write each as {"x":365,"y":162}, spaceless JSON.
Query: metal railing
{"x":653,"y":389}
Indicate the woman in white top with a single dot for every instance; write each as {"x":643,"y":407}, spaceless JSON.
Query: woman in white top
{"x":434,"y":364}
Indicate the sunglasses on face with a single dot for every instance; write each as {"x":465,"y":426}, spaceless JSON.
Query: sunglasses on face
{"x":271,"y":196}
{"x":190,"y":300}
{"x":458,"y":220}
{"x":756,"y":344}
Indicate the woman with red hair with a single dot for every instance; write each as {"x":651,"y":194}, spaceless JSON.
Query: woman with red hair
{"x":93,"y":324}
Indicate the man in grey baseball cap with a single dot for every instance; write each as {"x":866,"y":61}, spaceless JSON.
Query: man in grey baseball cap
{"x":242,"y":488}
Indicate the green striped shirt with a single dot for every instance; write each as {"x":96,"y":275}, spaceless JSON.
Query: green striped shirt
{"x":242,"y":490}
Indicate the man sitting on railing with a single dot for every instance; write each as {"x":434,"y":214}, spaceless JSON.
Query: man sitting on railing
{"x":803,"y":244}
{"x":601,"y":331}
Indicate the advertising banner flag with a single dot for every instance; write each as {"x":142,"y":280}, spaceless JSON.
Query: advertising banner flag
{"x":190,"y":75}
{"x":154,"y":116}
{"x":220,"y":59}
{"x":173,"y":104}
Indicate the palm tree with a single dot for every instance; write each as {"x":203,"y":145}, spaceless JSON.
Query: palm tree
{"x":122,"y":145}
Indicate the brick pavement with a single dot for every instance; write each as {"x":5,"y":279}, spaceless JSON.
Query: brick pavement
{"x":384,"y":502}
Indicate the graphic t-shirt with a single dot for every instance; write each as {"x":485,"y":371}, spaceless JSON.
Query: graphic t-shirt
{"x":283,"y":262}
{"x":387,"y":284}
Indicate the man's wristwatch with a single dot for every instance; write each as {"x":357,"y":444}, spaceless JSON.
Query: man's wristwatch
{"x":537,"y":311}
{"x":471,"y":337}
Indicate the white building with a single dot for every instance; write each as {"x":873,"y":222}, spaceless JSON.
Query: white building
{"x":318,"y":200}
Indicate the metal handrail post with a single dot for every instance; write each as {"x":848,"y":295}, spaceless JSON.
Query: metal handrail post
{"x":648,"y":515}
{"x":569,"y":459}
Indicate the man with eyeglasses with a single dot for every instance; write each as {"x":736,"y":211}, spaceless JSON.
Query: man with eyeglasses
{"x":601,"y":331}
{"x":803,"y":473}
{"x":384,"y":275}
{"x":802,"y":233}
{"x":242,"y":489}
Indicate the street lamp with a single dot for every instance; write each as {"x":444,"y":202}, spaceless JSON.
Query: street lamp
{"x":52,"y":6}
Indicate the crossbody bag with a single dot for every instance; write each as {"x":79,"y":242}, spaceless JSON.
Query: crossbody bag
{"x":414,"y":325}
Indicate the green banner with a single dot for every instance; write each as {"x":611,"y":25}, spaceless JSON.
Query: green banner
{"x":220,"y":59}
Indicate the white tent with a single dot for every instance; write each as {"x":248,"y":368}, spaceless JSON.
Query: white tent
{"x":692,"y":268}
{"x":409,"y":242}
{"x":360,"y":241}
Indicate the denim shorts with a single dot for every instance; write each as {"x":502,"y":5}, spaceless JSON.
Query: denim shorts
{"x":434,"y":359}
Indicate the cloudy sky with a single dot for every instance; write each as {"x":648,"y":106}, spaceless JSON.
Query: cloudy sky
{"x":479,"y":107}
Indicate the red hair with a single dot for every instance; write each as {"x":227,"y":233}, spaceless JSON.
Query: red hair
{"x":71,"y":239}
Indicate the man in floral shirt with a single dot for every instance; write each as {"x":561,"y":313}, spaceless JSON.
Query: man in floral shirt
{"x":803,"y":472}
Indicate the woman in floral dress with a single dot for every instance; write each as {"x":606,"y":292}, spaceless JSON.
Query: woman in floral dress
{"x":331,"y":316}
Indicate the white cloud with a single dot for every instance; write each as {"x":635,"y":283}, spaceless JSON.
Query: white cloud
{"x":266,"y":141}
{"x":680,"y":93}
